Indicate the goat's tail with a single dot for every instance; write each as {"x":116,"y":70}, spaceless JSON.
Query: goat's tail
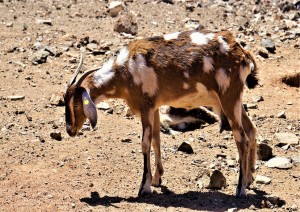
{"x":252,"y":79}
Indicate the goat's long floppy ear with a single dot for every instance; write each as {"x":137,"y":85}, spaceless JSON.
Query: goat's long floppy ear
{"x":89,"y":108}
{"x":73,"y":79}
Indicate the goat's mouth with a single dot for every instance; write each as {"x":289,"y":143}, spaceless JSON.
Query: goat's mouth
{"x":72,"y":131}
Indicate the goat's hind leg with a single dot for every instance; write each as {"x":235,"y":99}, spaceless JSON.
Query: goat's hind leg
{"x":156,"y":180}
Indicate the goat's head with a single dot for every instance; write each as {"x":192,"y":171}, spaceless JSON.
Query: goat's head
{"x":78,"y":105}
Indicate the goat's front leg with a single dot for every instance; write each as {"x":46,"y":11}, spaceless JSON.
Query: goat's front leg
{"x":147,"y":122}
{"x":156,"y":181}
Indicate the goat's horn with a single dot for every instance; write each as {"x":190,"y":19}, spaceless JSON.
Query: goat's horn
{"x":72,"y":81}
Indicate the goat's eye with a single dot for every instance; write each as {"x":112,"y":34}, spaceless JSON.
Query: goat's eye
{"x":75,"y":105}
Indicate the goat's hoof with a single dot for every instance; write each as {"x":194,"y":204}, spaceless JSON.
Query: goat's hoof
{"x":144,"y":190}
{"x":241,"y":193}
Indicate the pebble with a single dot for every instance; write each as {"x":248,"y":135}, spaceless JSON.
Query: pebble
{"x":268,"y":44}
{"x":263,"y":52}
{"x":126,"y":140}
{"x":280,"y":163}
{"x":103,"y":106}
{"x":232,"y":210}
{"x":44,"y":21}
{"x":126,"y":23}
{"x":262,"y":179}
{"x":39,"y":57}
{"x":286,"y":139}
{"x":217,"y":180}
{"x":115,"y":7}
{"x":264,"y":152}
{"x":57,"y":100}
{"x":186,"y":148}
{"x":281,"y":115}
{"x":257,"y":98}
{"x":16,"y":97}
{"x":56,"y":135}
{"x":296,"y":159}
{"x":231,"y":163}
{"x":252,"y":106}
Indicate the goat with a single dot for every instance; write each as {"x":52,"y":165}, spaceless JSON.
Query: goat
{"x":183,"y":69}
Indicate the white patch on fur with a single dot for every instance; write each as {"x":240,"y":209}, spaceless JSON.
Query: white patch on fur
{"x":244,"y":72}
{"x":171,"y":36}
{"x":207,"y":64}
{"x":200,"y":38}
{"x":186,"y":74}
{"x":224,"y":47}
{"x":143,"y":75}
{"x":186,"y":86}
{"x":122,"y":56}
{"x":222,"y":79}
{"x":103,"y":75}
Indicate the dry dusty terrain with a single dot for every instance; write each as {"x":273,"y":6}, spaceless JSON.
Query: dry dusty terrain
{"x":96,"y":171}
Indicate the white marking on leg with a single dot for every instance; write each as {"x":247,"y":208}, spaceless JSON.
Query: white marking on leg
{"x":122,"y":56}
{"x":222,"y":79}
{"x":171,"y":36}
{"x":207,"y":64}
{"x":103,"y":75}
{"x":143,"y":75}
{"x":224,"y":47}
{"x":200,"y":38}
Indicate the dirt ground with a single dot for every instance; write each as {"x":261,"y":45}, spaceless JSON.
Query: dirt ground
{"x":96,"y":171}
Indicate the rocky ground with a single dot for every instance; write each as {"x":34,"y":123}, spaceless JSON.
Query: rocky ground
{"x":42,"y":169}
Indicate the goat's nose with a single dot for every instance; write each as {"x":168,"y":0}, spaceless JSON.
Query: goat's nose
{"x":70,"y":131}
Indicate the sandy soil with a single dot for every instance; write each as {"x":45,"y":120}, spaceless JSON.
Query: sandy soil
{"x":96,"y":171}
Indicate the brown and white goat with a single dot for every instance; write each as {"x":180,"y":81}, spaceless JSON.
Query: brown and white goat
{"x":184,"y":69}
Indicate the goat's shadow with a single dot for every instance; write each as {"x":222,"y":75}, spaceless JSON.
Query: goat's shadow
{"x":196,"y":200}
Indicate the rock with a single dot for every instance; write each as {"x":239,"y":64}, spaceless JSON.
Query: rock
{"x":217,"y":180}
{"x":263,"y":52}
{"x":126,"y":140}
{"x":126,"y":24}
{"x":56,"y":135}
{"x":271,"y":200}
{"x":294,"y":207}
{"x":44,"y":21}
{"x":231,"y":163}
{"x":103,"y":106}
{"x":264,"y":152}
{"x":280,"y":163}
{"x":186,"y":147}
{"x":16,"y":97}
{"x":39,"y":57}
{"x":251,"y":106}
{"x":232,"y":210}
{"x":262,"y":179}
{"x":296,"y":159}
{"x":92,"y":47}
{"x":281,"y":115}
{"x":9,"y":24}
{"x":257,"y":98}
{"x":286,"y":139}
{"x":53,"y":51}
{"x":57,"y":100}
{"x":268,"y":44}
{"x":115,"y":7}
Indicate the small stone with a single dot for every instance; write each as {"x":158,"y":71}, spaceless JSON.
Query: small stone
{"x":231,"y":163}
{"x":44,"y":21}
{"x":257,"y":98}
{"x":286,"y":139}
{"x":126,"y":140}
{"x":264,"y":152}
{"x":126,"y":23}
{"x":10,"y":24}
{"x":115,"y":7}
{"x":73,"y":205}
{"x":269,"y":45}
{"x":252,"y":207}
{"x":56,"y":135}
{"x":186,"y":147}
{"x":232,"y":210}
{"x":296,"y":159}
{"x":16,"y":97}
{"x":262,"y":179}
{"x":53,"y":51}
{"x":92,"y":47}
{"x":39,"y":57}
{"x":263,"y":52}
{"x":217,"y":180}
{"x":281,"y":115}
{"x":252,"y":106}
{"x":103,"y":106}
{"x":294,"y":207}
{"x":280,"y":163}
{"x":57,"y":100}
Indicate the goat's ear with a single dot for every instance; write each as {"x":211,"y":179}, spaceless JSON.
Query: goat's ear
{"x":89,"y":108}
